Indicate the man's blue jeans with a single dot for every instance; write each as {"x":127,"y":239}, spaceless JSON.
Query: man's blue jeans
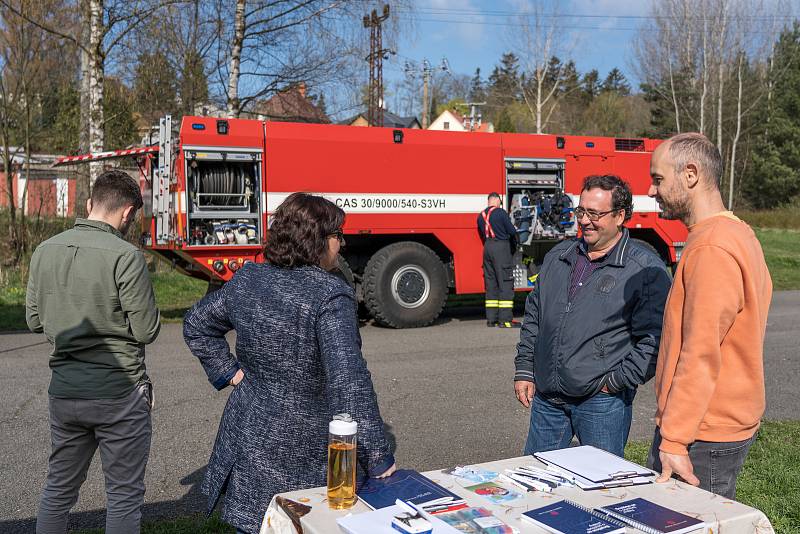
{"x":602,"y":421}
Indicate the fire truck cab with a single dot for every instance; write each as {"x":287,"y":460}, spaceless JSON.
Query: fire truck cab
{"x":412,"y":198}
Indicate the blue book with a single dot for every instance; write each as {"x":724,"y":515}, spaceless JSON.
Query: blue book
{"x":652,"y":518}
{"x":564,"y":517}
{"x":406,"y":485}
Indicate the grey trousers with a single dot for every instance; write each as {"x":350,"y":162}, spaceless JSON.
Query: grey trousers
{"x":121,"y":429}
{"x":716,"y":464}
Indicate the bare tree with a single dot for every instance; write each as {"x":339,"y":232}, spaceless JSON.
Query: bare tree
{"x":105,"y":24}
{"x":267,"y":45}
{"x":539,"y":40}
{"x":27,"y":55}
{"x":236,"y":58}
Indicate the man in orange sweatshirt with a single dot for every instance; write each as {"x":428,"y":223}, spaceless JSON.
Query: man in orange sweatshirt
{"x":710,"y":374}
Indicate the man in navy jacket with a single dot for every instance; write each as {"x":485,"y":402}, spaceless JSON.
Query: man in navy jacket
{"x":592,"y":327}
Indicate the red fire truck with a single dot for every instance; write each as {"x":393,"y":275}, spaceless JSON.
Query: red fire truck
{"x":411,"y":198}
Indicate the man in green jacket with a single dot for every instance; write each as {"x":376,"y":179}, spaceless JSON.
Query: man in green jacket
{"x":90,"y":293}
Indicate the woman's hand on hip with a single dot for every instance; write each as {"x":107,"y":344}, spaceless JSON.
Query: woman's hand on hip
{"x":237,"y":378}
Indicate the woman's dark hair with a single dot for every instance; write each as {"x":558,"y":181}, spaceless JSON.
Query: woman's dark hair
{"x":300,"y":228}
{"x":621,"y":197}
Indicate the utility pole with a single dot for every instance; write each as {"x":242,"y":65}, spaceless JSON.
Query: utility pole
{"x":475,"y":114}
{"x":427,"y":73}
{"x":426,"y":78}
{"x":375,"y":58}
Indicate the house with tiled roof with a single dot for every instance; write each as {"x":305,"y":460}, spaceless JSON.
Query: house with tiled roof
{"x":390,"y":120}
{"x":454,"y":121}
{"x":290,"y":105}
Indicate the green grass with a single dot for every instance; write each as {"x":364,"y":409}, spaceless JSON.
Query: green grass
{"x":787,"y":217}
{"x":195,"y":524}
{"x":782,"y":252}
{"x":176,"y":293}
{"x":769,"y":478}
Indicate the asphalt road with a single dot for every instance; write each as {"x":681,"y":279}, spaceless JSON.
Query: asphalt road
{"x":445,"y":393}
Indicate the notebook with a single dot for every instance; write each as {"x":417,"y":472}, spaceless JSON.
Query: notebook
{"x":404,"y":484}
{"x":565,"y":517}
{"x":652,"y":518}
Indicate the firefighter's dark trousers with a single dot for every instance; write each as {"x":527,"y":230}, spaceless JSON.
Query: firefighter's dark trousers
{"x":498,"y":277}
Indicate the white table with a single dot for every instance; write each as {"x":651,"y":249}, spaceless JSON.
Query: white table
{"x":723,"y":516}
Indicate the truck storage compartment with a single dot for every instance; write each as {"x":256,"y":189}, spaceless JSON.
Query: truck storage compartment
{"x":223,"y":190}
{"x":541,"y":211}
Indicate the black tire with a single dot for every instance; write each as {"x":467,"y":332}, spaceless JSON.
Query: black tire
{"x":344,"y":271}
{"x":405,"y":285}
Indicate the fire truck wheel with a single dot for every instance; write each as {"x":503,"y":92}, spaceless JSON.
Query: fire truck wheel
{"x":405,"y":285}
{"x":344,"y":272}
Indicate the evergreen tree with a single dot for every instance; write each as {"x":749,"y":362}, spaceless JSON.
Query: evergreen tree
{"x":553,"y":76}
{"x":774,"y":176}
{"x":193,"y":85}
{"x":591,"y":85}
{"x":477,"y":92}
{"x":118,"y":106}
{"x":154,"y":87}
{"x":570,"y":79}
{"x":61,"y":136}
{"x":616,"y":82}
{"x":504,"y":81}
{"x":504,"y":122}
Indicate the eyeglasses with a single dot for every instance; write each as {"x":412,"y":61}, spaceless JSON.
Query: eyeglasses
{"x":338,"y":234}
{"x":593,"y":215}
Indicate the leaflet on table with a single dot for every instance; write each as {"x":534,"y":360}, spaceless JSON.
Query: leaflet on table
{"x":593,"y":464}
{"x":651,"y":517}
{"x":494,"y":493}
{"x":409,"y":486}
{"x":471,"y":474}
{"x":476,"y":521}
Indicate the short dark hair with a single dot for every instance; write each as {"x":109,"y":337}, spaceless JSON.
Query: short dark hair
{"x":114,"y":190}
{"x":300,"y":229}
{"x":493,"y":194}
{"x":621,"y":197}
{"x":693,"y":147}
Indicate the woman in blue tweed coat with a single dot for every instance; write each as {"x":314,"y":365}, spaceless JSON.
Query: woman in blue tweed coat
{"x":298,"y":362}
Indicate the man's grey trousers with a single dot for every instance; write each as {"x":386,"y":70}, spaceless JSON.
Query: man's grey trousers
{"x":121,"y":429}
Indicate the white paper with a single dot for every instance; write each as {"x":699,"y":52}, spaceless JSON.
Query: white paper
{"x":593,"y":464}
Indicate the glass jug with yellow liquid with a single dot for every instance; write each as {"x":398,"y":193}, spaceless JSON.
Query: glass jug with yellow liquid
{"x":342,"y":462}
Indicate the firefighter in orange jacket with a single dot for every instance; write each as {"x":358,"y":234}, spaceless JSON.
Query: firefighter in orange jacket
{"x":499,"y":239}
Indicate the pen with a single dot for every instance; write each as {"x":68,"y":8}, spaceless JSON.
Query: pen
{"x":530,"y":484}
{"x":530,"y":478}
{"x":538,"y":473}
{"x":511,"y":481}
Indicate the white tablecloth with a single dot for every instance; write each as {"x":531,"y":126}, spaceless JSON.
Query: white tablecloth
{"x":723,"y":516}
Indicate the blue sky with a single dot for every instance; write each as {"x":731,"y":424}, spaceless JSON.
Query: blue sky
{"x":474,"y":33}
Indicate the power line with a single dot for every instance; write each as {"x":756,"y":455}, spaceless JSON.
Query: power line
{"x":524,"y":14}
{"x":553,"y":26}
